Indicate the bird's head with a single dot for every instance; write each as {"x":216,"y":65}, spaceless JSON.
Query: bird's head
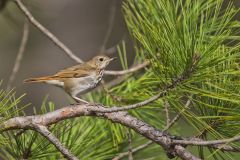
{"x":100,"y":62}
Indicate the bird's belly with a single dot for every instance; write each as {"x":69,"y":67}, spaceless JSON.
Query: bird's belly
{"x":80,"y":85}
{"x":55,"y":82}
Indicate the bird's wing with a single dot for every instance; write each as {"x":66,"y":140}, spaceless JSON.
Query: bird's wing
{"x":77,"y":71}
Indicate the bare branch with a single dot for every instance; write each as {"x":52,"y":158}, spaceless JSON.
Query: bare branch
{"x":123,"y":118}
{"x":48,"y":135}
{"x":112,"y":15}
{"x":46,"y":32}
{"x":20,"y":53}
{"x":131,"y":70}
{"x":134,"y":150}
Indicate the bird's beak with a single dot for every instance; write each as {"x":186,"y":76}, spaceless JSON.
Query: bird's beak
{"x":111,"y":59}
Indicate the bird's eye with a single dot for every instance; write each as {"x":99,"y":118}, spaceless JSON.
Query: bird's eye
{"x":101,"y":59}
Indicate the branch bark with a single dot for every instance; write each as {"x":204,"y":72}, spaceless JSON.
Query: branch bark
{"x":123,"y":118}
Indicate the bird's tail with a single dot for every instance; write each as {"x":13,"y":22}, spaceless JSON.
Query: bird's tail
{"x":39,"y":79}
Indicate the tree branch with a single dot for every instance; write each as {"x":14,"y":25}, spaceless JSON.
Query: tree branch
{"x":131,"y":70}
{"x":200,"y":142}
{"x":173,"y":85}
{"x":48,"y":135}
{"x":46,"y":32}
{"x":123,"y":118}
{"x":20,"y":53}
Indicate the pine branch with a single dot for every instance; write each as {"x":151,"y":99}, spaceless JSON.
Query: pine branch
{"x":173,"y":85}
{"x":48,"y":135}
{"x":29,"y":122}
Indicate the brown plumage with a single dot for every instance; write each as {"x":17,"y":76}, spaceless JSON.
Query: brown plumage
{"x":77,"y":79}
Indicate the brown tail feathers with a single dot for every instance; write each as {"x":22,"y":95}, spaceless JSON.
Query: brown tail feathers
{"x":40,"y":79}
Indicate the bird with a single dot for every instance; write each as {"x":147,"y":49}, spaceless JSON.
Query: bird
{"x":78,"y":79}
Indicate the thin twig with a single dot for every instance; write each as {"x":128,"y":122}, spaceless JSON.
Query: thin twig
{"x":20,"y":53}
{"x":176,"y":118}
{"x":134,"y":150}
{"x":132,"y":106}
{"x":111,"y":19}
{"x":131,"y":70}
{"x":47,"y":134}
{"x":46,"y":32}
{"x":174,"y":84}
{"x":130,"y":156}
{"x":199,"y":142}
{"x":166,"y":106}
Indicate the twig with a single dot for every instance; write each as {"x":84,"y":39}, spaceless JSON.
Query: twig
{"x":131,"y":70}
{"x":216,"y":144}
{"x":20,"y":53}
{"x":174,"y":84}
{"x":199,"y":142}
{"x":29,"y":122}
{"x":166,"y":106}
{"x":130,"y":156}
{"x":176,"y":118}
{"x":112,"y":15}
{"x":132,"y":106}
{"x":134,"y":150}
{"x":48,"y":135}
{"x":46,"y":32}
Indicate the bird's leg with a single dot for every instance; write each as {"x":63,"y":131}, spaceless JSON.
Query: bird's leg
{"x":79,"y":100}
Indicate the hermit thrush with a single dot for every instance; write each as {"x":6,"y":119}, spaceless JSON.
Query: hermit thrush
{"x":78,"y":79}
